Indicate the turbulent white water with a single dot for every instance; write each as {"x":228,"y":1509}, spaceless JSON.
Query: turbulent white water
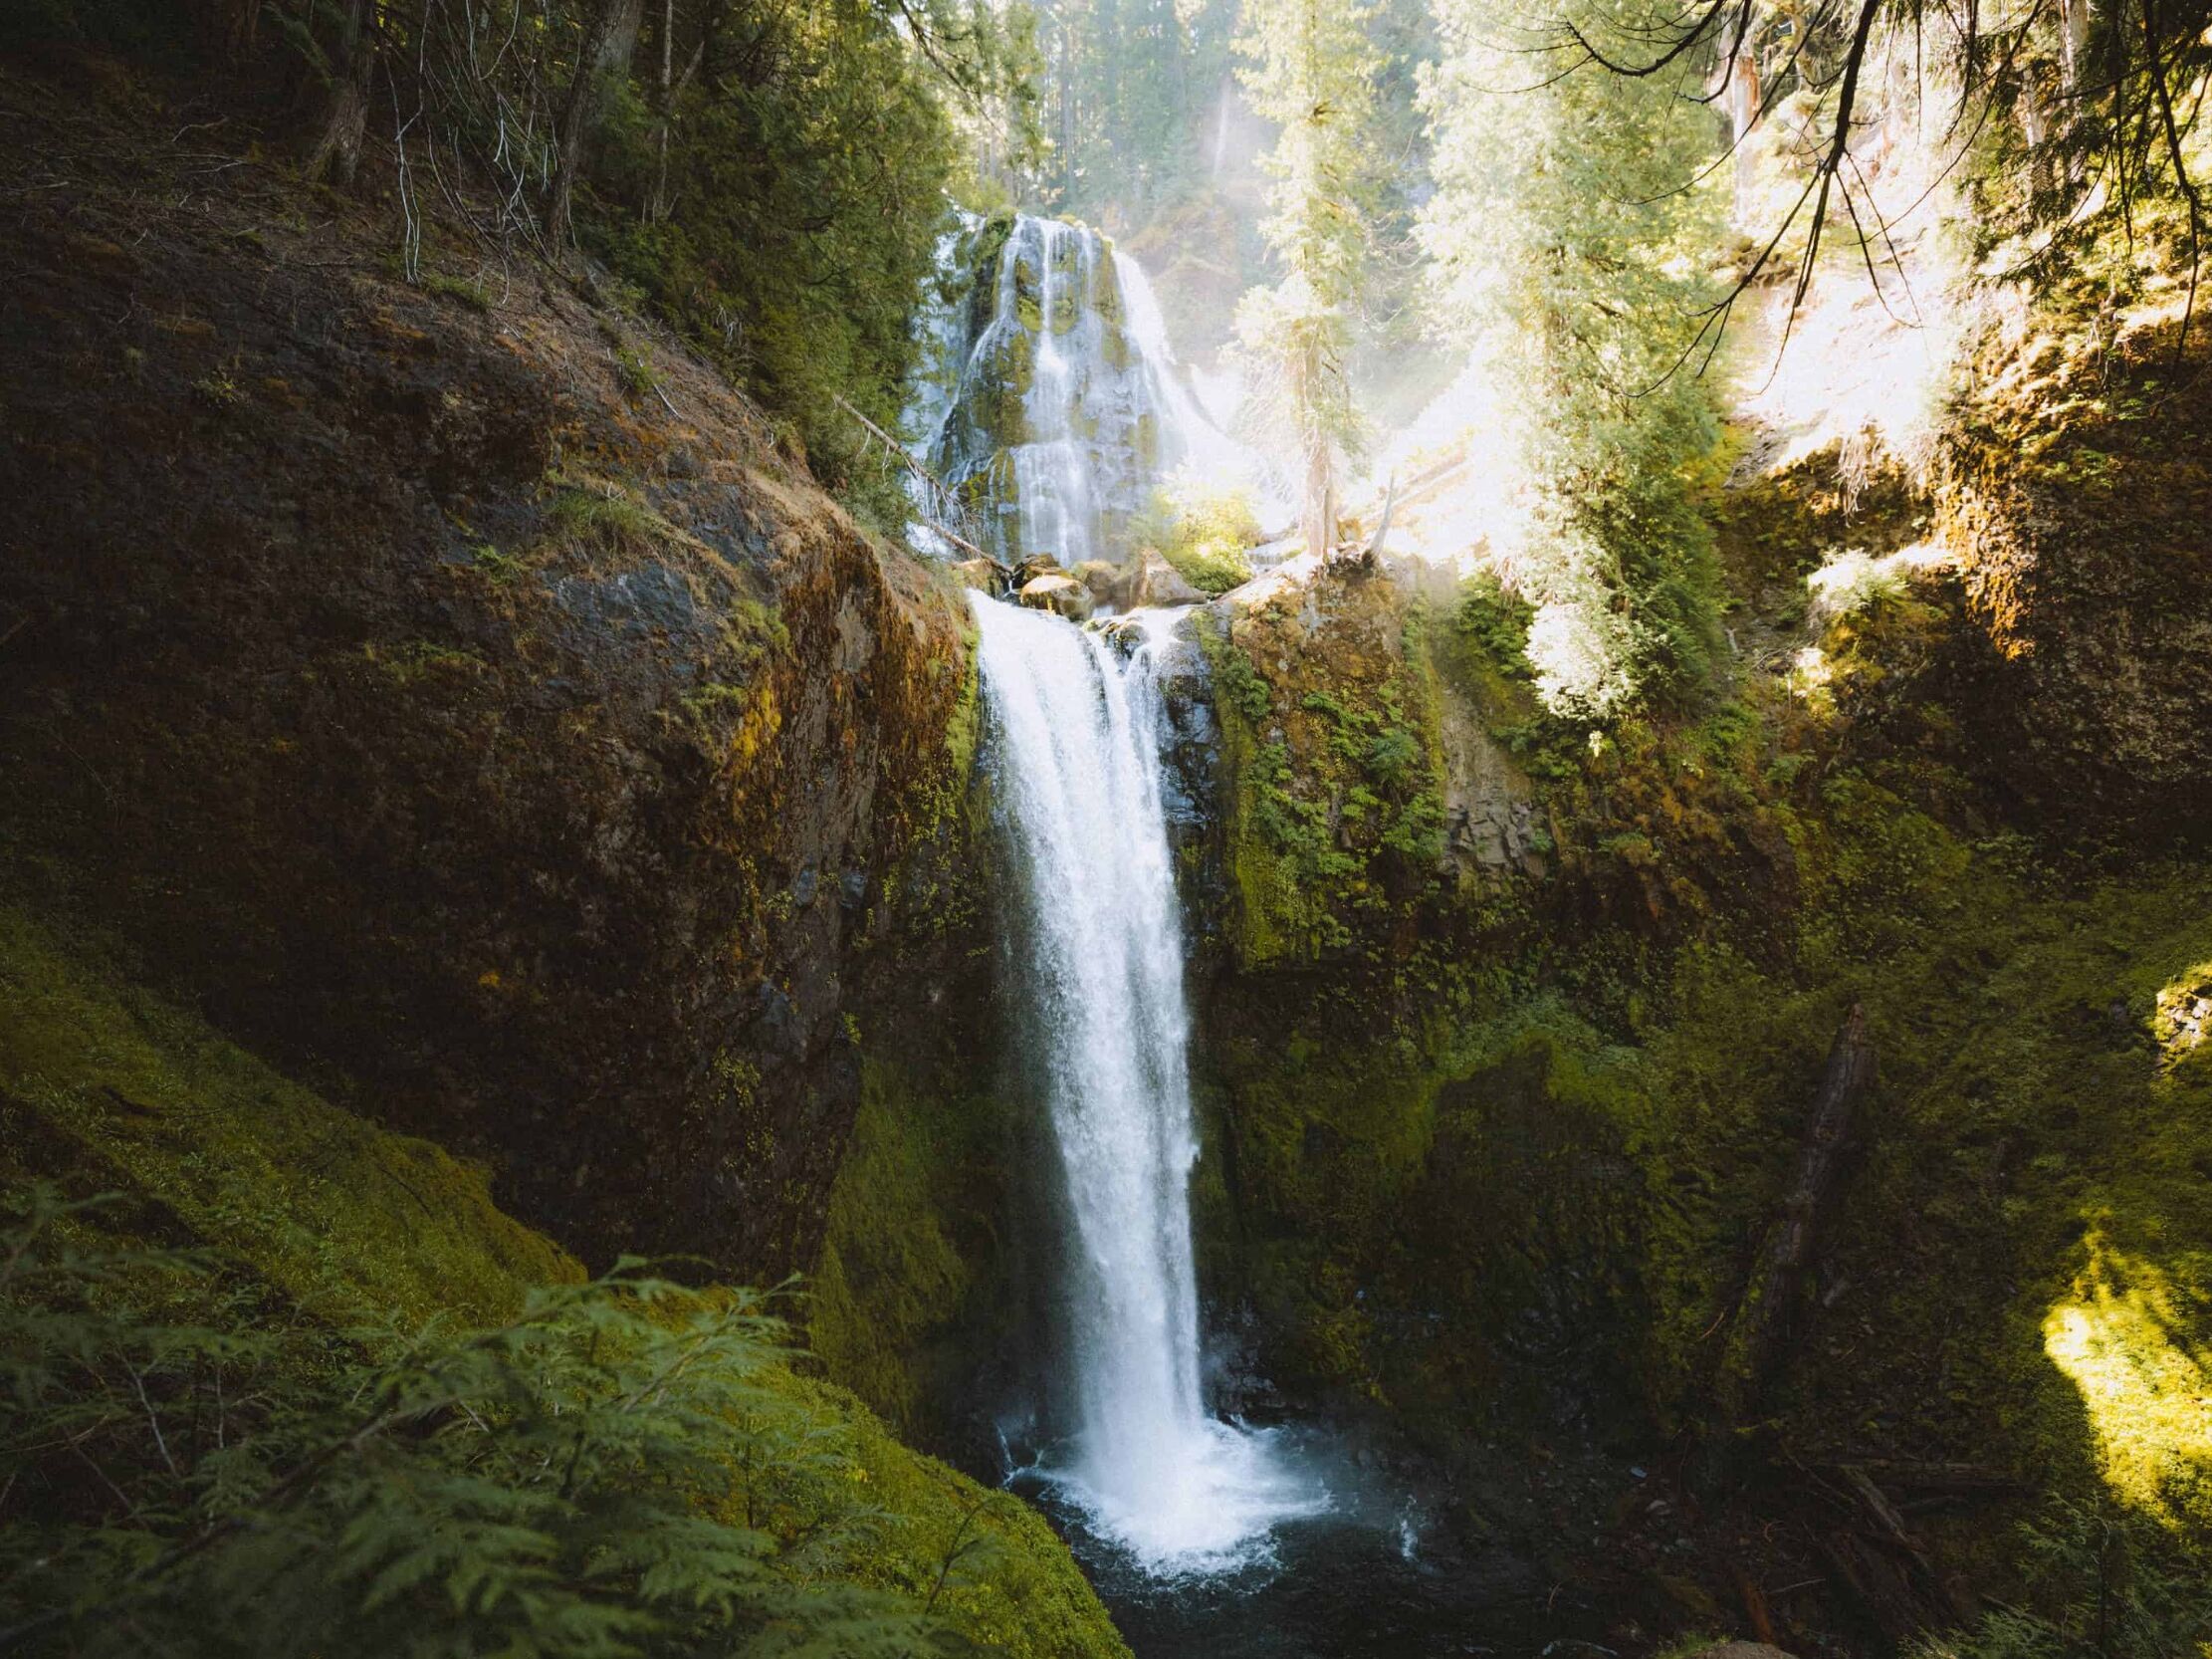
{"x":1079,"y":770}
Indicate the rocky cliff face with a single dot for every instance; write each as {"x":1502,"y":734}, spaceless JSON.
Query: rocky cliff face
{"x":2077,"y":498}
{"x":455,"y":683}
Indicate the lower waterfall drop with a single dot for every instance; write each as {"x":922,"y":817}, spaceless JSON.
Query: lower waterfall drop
{"x":1080,"y":775}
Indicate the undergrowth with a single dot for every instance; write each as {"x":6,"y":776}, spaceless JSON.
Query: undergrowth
{"x":607,"y":1473}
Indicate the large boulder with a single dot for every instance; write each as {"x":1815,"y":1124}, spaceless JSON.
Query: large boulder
{"x":981,"y":575}
{"x":537,"y":766}
{"x":1062,"y":594}
{"x":1158,"y":582}
{"x":1108,"y":582}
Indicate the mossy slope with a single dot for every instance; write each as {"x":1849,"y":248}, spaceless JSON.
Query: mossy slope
{"x":111,"y":1089}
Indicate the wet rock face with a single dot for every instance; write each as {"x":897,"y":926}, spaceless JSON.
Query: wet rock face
{"x":1045,"y":399}
{"x":1049,"y":420}
{"x":443,"y":722}
{"x":2087,"y":558}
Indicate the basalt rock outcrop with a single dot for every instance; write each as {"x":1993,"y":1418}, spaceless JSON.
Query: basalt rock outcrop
{"x":2076,"y":499}
{"x":504,"y":734}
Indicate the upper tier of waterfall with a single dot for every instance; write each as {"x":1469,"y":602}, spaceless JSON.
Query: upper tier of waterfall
{"x":1049,"y":400}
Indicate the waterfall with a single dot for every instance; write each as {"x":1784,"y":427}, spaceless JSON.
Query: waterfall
{"x":1077,"y":729}
{"x":1049,"y":396}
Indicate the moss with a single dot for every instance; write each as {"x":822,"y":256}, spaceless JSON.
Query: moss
{"x":140,"y":1095}
{"x":500,"y":567}
{"x":1335,"y":821}
{"x":1574,"y":1148}
{"x":2023,"y":1141}
{"x":112,"y":1089}
{"x":1408,"y":1183}
{"x":963,"y":727}
{"x":414,"y":661}
{"x":469,"y":295}
{"x":890,"y":1276}
{"x":605,"y":516}
{"x":217,"y":390}
{"x":1007,"y":1581}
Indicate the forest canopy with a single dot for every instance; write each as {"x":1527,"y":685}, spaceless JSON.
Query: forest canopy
{"x":1595,"y":207}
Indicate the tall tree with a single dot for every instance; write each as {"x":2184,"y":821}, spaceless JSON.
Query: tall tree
{"x":1572,"y":215}
{"x":609,"y":36}
{"x":1310,"y":68}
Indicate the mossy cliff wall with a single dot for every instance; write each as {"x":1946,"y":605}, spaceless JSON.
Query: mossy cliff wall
{"x":935,"y":1277}
{"x":452,"y":706}
{"x":1496,"y":1119}
{"x":2076,"y":492}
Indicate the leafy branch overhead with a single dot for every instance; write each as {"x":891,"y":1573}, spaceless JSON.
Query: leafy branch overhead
{"x":2105,"y":95}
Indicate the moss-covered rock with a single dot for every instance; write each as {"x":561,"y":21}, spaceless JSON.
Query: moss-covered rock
{"x":536,"y":756}
{"x":113,"y":1089}
{"x":1335,"y":824}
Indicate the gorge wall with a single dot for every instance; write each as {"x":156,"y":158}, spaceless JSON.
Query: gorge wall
{"x":454,"y":688}
{"x":454,"y":691}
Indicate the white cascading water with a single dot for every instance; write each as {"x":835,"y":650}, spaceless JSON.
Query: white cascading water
{"x":1102,"y":414}
{"x":1078,"y":728}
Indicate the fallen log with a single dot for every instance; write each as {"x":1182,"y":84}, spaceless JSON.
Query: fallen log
{"x":1761,"y":1325}
{"x":1876,"y":1559}
{"x":1912,"y":1474}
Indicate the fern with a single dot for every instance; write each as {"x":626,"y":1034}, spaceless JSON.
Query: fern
{"x":2107,"y":1585}
{"x":185,"y":1469}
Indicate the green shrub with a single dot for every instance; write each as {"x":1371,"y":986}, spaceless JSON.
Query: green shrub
{"x":1206,"y":531}
{"x":603,"y":518}
{"x":804,"y":199}
{"x":1494,"y":621}
{"x":613,"y":1472}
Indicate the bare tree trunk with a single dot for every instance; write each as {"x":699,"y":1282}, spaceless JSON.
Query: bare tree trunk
{"x":240,"y":24}
{"x":1787,"y":1252}
{"x":2075,"y":13}
{"x":1317,"y":521}
{"x":608,"y":40}
{"x":656,"y":205}
{"x":1067,"y":109}
{"x":337,"y":151}
{"x":1744,"y":110}
{"x":2073,"y":66}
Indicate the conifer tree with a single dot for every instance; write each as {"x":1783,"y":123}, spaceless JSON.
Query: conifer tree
{"x":1310,"y":70}
{"x":1569,"y":234}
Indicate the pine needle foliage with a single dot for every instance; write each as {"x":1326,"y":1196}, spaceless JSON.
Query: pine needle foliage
{"x":609,"y":1475}
{"x":1310,"y":67}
